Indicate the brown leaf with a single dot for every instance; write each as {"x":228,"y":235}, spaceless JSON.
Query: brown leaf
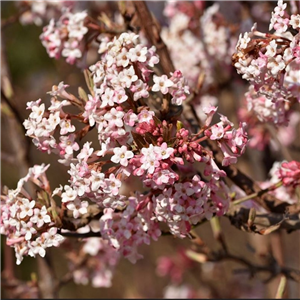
{"x":139,"y":140}
{"x":151,"y":139}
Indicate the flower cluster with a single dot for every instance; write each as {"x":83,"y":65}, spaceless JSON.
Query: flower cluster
{"x":66,"y":36}
{"x":257,"y":110}
{"x":27,"y":223}
{"x":130,"y":228}
{"x":101,"y":261}
{"x":134,"y":142}
{"x":42,"y":125}
{"x":174,"y":266}
{"x":270,"y":62}
{"x":231,"y":141}
{"x":289,"y":173}
{"x":205,"y":51}
{"x":39,"y":10}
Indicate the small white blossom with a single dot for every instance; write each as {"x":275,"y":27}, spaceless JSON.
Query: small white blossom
{"x":121,"y":156}
{"x":162,"y":84}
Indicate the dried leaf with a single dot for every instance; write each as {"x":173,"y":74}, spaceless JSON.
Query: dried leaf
{"x":151,"y":139}
{"x":139,"y":140}
{"x":82,"y":94}
{"x":89,"y":81}
{"x":156,"y":121}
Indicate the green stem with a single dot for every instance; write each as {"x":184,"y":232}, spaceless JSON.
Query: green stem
{"x":257,"y":194}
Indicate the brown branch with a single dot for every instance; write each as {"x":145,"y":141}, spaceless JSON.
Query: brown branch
{"x":239,"y":218}
{"x":273,"y":268}
{"x":152,"y":31}
{"x":276,"y":239}
{"x":80,"y":235}
{"x":205,"y":254}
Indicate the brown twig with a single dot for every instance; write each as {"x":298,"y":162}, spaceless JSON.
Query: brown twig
{"x":205,"y":254}
{"x":239,"y":218}
{"x":273,"y":268}
{"x":152,"y":31}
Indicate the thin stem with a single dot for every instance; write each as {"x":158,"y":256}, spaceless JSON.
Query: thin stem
{"x":80,"y":235}
{"x":204,"y":138}
{"x":257,"y":194}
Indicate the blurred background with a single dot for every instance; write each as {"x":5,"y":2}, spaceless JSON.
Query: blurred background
{"x":32,"y":73}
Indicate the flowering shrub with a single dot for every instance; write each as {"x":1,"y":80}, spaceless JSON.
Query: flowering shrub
{"x":143,"y":111}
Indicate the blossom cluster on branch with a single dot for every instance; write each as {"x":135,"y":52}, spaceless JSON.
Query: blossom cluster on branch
{"x":135,"y":110}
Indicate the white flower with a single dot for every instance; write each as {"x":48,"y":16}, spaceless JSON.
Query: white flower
{"x":26,"y":208}
{"x":145,"y":116}
{"x":37,"y":247}
{"x":69,"y":194}
{"x":107,"y":98}
{"x":37,"y":112}
{"x":139,"y":53}
{"x":244,"y":41}
{"x":123,"y":58}
{"x":276,"y":65}
{"x":295,"y":21}
{"x":40,"y":216}
{"x":114,"y":117}
{"x":28,"y":230}
{"x":75,"y":25}
{"x":53,"y":121}
{"x":97,"y":180}
{"x":71,"y":54}
{"x":85,"y":152}
{"x":57,"y":191}
{"x":127,"y":76}
{"x":78,"y":207}
{"x":162,"y":83}
{"x":271,"y":49}
{"x":121,"y":156}
{"x":52,"y":238}
{"x":66,"y":126}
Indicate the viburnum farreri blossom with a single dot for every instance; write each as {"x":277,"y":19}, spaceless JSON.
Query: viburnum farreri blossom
{"x":270,"y":62}
{"x":29,"y":224}
{"x":139,"y":144}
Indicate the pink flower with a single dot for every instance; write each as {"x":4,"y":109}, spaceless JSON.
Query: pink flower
{"x":164,"y":151}
{"x":217,"y":132}
{"x":289,"y":173}
{"x":114,"y":117}
{"x":145,"y":116}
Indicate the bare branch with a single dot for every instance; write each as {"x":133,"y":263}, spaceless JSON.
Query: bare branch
{"x":152,"y":30}
{"x":239,"y":218}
